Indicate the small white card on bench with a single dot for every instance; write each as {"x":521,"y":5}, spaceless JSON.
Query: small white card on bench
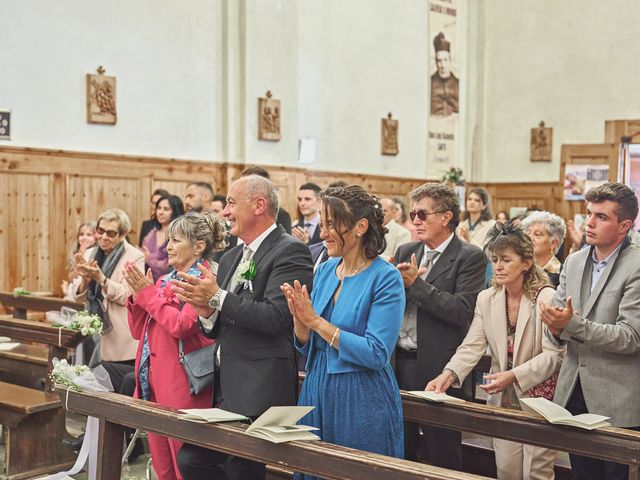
{"x":211,"y":415}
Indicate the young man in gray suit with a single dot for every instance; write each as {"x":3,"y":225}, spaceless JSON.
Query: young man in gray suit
{"x":442,"y":277}
{"x":596,"y":312}
{"x":249,"y":318}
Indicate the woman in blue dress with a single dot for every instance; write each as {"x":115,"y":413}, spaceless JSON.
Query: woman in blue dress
{"x":349,"y":327}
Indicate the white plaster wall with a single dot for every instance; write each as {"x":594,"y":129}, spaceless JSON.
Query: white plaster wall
{"x":571,"y":63}
{"x":165,"y":55}
{"x":359,"y":60}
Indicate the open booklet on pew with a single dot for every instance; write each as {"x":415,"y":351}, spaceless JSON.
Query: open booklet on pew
{"x":278,"y":424}
{"x":211,"y":415}
{"x":554,"y":413}
{"x":435,"y":397}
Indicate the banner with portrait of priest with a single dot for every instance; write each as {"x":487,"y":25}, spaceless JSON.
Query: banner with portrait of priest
{"x":444,"y":84}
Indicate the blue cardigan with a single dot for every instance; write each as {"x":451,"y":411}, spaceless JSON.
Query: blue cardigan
{"x":369,"y":311}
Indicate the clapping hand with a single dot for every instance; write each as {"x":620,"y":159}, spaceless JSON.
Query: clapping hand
{"x":136,"y":279}
{"x":410,"y":271}
{"x":197,"y":291}
{"x":90,"y":271}
{"x":299,"y":303}
{"x":499,"y":382}
{"x":556,"y":318}
{"x":301,"y":233}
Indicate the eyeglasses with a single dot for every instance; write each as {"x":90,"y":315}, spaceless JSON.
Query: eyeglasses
{"x":110,"y":233}
{"x":421,"y":214}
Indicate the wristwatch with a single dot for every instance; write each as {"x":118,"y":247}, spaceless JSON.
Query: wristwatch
{"x":214,"y":301}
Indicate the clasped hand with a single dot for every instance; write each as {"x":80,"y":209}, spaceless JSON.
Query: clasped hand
{"x":410,"y":271}
{"x":300,"y":305}
{"x":196,"y":291}
{"x":88,"y":270}
{"x":136,"y":279}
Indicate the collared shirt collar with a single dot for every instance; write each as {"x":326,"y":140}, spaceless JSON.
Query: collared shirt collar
{"x":258,"y":241}
{"x":440,"y":248}
{"x":313,"y":222}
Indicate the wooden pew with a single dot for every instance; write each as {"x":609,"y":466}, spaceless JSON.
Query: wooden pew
{"x":21,"y":304}
{"x":318,"y":458}
{"x":25,"y":365}
{"x":33,"y":421}
{"x":611,"y":444}
{"x":58,"y":340}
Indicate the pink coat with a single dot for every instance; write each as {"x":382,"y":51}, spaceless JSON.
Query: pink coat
{"x":167,"y":324}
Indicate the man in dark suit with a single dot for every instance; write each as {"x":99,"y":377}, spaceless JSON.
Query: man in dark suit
{"x":306,"y":228}
{"x":249,"y":318}
{"x":442,"y":276}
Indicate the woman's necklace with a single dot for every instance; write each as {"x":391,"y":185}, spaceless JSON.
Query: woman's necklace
{"x":516,"y":310}
{"x":347,"y":274}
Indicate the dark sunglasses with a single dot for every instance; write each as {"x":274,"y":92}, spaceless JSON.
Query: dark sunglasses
{"x":421,"y":214}
{"x":110,"y":233}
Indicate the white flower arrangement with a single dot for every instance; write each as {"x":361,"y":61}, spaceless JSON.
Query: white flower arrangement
{"x":246,"y":272}
{"x":68,"y":375}
{"x":87,"y":324}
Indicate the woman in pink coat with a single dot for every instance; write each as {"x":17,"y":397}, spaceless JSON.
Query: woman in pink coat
{"x":158,"y":320}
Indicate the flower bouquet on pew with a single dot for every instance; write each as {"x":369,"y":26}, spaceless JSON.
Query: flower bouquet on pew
{"x":83,"y":322}
{"x":20,"y":291}
{"x":80,"y":377}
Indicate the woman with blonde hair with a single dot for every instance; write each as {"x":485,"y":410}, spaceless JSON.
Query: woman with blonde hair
{"x":523,"y":359}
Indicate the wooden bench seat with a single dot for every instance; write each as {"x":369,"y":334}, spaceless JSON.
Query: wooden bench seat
{"x":25,"y":365}
{"x":34,"y":421}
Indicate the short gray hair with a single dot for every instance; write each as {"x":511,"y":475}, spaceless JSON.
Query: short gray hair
{"x":116,"y":215}
{"x":257,"y":186}
{"x":553,"y":223}
{"x":196,"y":226}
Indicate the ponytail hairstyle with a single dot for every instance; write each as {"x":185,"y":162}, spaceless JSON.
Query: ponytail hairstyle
{"x":346,"y":205}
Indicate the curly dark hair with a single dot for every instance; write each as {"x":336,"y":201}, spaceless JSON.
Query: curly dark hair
{"x":445,"y":199}
{"x":346,"y":205}
{"x":511,"y":236}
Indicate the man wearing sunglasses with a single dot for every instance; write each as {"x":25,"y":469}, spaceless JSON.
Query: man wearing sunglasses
{"x":442,"y":277}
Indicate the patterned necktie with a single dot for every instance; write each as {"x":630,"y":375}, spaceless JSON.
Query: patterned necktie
{"x":246,"y":255}
{"x":427,"y":262}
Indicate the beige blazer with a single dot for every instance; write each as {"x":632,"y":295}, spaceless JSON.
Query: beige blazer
{"x":535,"y":359}
{"x":396,"y":236}
{"x":118,"y":345}
{"x":479,"y":233}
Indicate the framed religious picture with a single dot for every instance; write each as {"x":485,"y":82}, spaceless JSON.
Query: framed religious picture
{"x":101,"y":98}
{"x":5,"y":124}
{"x":269,"y":118}
{"x":389,"y":136}
{"x":541,"y":143}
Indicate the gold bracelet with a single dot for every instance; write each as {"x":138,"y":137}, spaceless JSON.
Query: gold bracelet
{"x":333,"y":339}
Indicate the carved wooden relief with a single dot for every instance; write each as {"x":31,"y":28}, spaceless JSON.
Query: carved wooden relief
{"x":541,"y":138}
{"x":389,"y":144}
{"x":101,"y":98}
{"x":269,"y":118}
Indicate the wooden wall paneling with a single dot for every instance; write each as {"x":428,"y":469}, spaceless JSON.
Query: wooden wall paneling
{"x":58,"y":245}
{"x":7,"y":233}
{"x":614,"y":130}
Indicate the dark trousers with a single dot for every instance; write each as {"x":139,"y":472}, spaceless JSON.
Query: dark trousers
{"x":587,"y":468}
{"x":197,"y":463}
{"x":437,"y":446}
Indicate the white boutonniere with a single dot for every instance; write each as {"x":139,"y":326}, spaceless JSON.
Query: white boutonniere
{"x":246,"y":272}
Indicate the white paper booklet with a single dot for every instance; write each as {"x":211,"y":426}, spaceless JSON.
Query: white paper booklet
{"x":8,"y":346}
{"x":211,"y":415}
{"x":554,"y":413}
{"x":278,"y":424}
{"x":435,"y":397}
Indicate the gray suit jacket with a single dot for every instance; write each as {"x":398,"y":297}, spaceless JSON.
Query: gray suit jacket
{"x":603,"y":336}
{"x":255,"y":330}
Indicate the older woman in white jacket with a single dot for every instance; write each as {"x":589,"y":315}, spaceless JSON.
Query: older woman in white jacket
{"x":507,"y":320}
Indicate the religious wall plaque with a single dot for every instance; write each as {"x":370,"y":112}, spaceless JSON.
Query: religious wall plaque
{"x":101,"y":98}
{"x":5,"y":124}
{"x":268,"y":118}
{"x":389,"y":137}
{"x":541,"y":143}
